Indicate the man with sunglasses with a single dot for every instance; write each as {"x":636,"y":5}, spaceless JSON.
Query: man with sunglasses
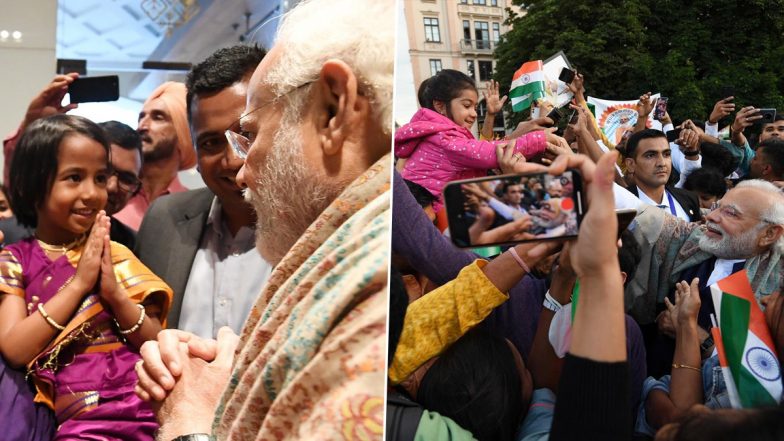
{"x":208,"y":256}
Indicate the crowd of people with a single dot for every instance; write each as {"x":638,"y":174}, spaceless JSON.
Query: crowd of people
{"x":132,"y":308}
{"x":607,"y":333}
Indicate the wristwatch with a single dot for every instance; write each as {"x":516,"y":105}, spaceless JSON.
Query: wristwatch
{"x":707,"y":344}
{"x":195,"y":437}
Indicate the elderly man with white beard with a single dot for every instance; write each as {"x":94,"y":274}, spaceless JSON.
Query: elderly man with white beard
{"x":743,"y":231}
{"x":316,"y":138}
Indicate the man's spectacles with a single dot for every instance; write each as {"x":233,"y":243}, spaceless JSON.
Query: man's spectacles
{"x":126,"y":181}
{"x":240,"y":142}
{"x":731,"y":212}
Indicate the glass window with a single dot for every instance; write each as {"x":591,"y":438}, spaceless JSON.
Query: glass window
{"x":463,"y":2}
{"x":470,"y":70}
{"x":432,"y":33}
{"x":494,"y":2}
{"x":467,"y":31}
{"x":435,"y":67}
{"x":496,"y":32}
{"x":482,"y":33}
{"x":485,"y":70}
{"x":480,"y":2}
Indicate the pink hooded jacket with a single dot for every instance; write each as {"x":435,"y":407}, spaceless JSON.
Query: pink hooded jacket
{"x":440,"y":151}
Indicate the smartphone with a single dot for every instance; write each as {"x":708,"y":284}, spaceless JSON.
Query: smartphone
{"x":673,"y":135}
{"x":625,"y":217}
{"x":569,"y":115}
{"x":768,"y":116}
{"x":726,"y":92}
{"x":661,"y":108}
{"x":555,"y":115}
{"x":525,"y":208}
{"x":567,"y":75}
{"x":94,"y":89}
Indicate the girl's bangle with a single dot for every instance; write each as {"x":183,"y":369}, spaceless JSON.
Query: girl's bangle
{"x":135,"y":327}
{"x":684,"y":366}
{"x":519,"y":260}
{"x":49,"y":319}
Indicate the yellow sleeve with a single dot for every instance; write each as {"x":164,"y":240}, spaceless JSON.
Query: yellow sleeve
{"x":438,"y":319}
{"x":138,"y":280}
{"x":11,"y":281}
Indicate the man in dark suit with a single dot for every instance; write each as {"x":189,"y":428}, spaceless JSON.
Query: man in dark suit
{"x":201,"y":242}
{"x":648,"y":160}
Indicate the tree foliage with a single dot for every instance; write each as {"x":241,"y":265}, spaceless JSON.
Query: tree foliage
{"x":687,"y":50}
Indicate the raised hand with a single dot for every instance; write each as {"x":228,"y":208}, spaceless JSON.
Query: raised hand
{"x":721,"y":109}
{"x":645,"y":105}
{"x":531,"y":125}
{"x":689,"y":140}
{"x":577,"y":86}
{"x":687,"y":303}
{"x":47,"y":102}
{"x":492,"y":100}
{"x":110,"y":291}
{"x":582,"y":119}
{"x":89,"y":266}
{"x":746,"y":117}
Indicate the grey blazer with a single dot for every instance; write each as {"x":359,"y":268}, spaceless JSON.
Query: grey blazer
{"x":169,"y":237}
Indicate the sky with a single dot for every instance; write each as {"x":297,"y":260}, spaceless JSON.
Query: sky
{"x":405,"y":95}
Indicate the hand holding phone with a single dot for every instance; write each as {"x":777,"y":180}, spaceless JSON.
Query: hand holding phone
{"x":768,"y":116}
{"x":661,"y":108}
{"x":673,"y":135}
{"x":567,"y":75}
{"x":532,"y":207}
{"x":94,"y":89}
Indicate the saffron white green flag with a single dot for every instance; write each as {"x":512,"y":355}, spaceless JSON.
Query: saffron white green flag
{"x":527,"y":85}
{"x":746,"y":351}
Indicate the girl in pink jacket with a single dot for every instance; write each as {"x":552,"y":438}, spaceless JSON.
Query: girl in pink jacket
{"x":438,"y":141}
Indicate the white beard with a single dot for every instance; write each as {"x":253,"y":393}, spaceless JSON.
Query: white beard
{"x":742,"y":246}
{"x":287,"y":196}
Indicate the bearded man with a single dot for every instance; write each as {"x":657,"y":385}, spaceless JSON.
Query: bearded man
{"x":316,"y":134}
{"x":743,"y":231}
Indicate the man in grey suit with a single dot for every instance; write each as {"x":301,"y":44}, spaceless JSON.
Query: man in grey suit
{"x":201,"y":242}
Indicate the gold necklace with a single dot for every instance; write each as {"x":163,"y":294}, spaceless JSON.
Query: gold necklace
{"x":61,"y":248}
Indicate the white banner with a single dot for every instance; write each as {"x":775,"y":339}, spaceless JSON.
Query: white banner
{"x":616,"y":117}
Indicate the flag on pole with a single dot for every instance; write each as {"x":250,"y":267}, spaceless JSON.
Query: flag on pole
{"x":746,"y":349}
{"x":527,"y":85}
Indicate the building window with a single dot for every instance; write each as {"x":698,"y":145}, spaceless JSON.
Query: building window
{"x":496,"y":32}
{"x":493,"y":2}
{"x":432,"y":34}
{"x":435,"y":67}
{"x":463,"y":2}
{"x":470,"y":70}
{"x":480,"y":2}
{"x":467,"y":31}
{"x":481,"y":110}
{"x":482,"y":33}
{"x":485,"y":70}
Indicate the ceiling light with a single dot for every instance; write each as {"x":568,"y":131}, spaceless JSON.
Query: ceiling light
{"x":4,"y":34}
{"x":16,"y":35}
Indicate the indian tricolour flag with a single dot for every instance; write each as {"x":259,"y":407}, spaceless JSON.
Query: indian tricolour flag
{"x":746,"y":350}
{"x":527,"y":85}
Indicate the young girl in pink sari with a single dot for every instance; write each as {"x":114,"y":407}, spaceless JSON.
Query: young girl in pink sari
{"x":75,"y":307}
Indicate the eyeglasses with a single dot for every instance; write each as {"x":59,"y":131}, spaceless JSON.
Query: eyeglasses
{"x":126,"y":181}
{"x":731,"y":212}
{"x":240,"y":142}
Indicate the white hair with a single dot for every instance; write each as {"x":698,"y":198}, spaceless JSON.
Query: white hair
{"x":359,"y":33}
{"x":774,"y":212}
